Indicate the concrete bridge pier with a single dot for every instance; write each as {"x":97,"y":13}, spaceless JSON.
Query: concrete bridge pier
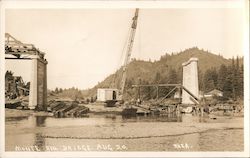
{"x":190,"y":81}
{"x":15,"y":49}
{"x":33,"y":85}
{"x":38,"y":84}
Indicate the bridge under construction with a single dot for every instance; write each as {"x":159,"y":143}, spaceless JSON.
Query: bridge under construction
{"x":16,"y":50}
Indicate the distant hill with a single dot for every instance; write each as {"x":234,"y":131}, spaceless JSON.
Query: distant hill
{"x":159,"y":71}
{"x":206,"y":59}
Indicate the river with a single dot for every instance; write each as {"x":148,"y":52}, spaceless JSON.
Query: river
{"x":115,"y":133}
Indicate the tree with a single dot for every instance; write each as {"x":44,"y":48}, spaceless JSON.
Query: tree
{"x":221,"y":77}
{"x":91,"y":100}
{"x":210,"y":79}
{"x":56,"y":90}
{"x":200,"y":79}
{"x":129,"y":83}
{"x":214,"y":76}
{"x":78,"y":95}
{"x":179,"y":74}
{"x":237,"y":79}
{"x":241,"y":81}
{"x":157,"y":78}
{"x":146,"y":92}
{"x":87,"y":100}
{"x":172,"y":76}
{"x":228,"y":91}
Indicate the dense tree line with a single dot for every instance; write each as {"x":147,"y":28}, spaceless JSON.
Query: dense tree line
{"x":227,"y":78}
{"x":214,"y":72}
{"x":73,"y":93}
{"x":172,"y":76}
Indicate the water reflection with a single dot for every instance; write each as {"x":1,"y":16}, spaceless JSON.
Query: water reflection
{"x":40,"y":142}
{"x":153,"y":118}
{"x":31,"y":131}
{"x":40,"y":121}
{"x":19,"y":118}
{"x":113,"y":117}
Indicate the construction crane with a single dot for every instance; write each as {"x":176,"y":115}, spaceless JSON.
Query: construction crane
{"x":128,"y":53}
{"x":115,"y":95}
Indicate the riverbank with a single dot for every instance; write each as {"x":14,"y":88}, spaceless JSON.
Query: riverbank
{"x":9,"y":113}
{"x":101,"y":110}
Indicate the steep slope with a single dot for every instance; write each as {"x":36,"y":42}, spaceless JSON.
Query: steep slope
{"x":147,"y":71}
{"x":206,"y":59}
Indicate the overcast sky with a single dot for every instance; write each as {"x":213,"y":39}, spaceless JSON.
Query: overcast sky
{"x":83,"y":46}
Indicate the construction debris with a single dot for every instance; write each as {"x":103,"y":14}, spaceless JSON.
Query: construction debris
{"x":67,"y":109}
{"x":15,"y":86}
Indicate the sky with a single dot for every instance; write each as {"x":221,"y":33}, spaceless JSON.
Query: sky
{"x":84,"y":46}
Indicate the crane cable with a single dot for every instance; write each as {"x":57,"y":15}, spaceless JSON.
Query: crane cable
{"x":120,"y":61}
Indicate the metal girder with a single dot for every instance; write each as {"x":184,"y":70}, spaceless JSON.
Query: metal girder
{"x":16,"y":48}
{"x":169,"y":85}
{"x":169,"y":93}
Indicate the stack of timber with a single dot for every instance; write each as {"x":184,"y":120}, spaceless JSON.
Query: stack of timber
{"x":67,"y":109}
{"x":12,"y":103}
{"x":20,"y":103}
{"x":159,"y":109}
{"x":129,"y":111}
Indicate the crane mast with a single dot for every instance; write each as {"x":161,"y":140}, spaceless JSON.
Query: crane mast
{"x":128,"y":52}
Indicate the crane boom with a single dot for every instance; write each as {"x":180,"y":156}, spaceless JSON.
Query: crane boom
{"x":129,"y":50}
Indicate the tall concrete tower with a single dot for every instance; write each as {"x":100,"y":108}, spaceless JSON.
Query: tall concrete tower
{"x":190,"y":80}
{"x":38,"y":84}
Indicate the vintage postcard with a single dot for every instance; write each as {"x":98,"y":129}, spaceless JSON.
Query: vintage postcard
{"x":125,"y":78}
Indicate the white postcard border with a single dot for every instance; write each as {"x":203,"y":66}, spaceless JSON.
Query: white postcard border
{"x":37,"y":4}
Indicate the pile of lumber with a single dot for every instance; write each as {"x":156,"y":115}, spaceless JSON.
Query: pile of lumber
{"x":67,"y":109}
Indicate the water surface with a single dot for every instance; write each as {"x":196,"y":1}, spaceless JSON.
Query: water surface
{"x":116,"y":133}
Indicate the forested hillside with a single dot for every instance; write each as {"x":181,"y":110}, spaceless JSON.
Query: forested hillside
{"x":215,"y":72}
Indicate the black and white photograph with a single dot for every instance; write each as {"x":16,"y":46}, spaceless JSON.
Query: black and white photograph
{"x":108,"y":78}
